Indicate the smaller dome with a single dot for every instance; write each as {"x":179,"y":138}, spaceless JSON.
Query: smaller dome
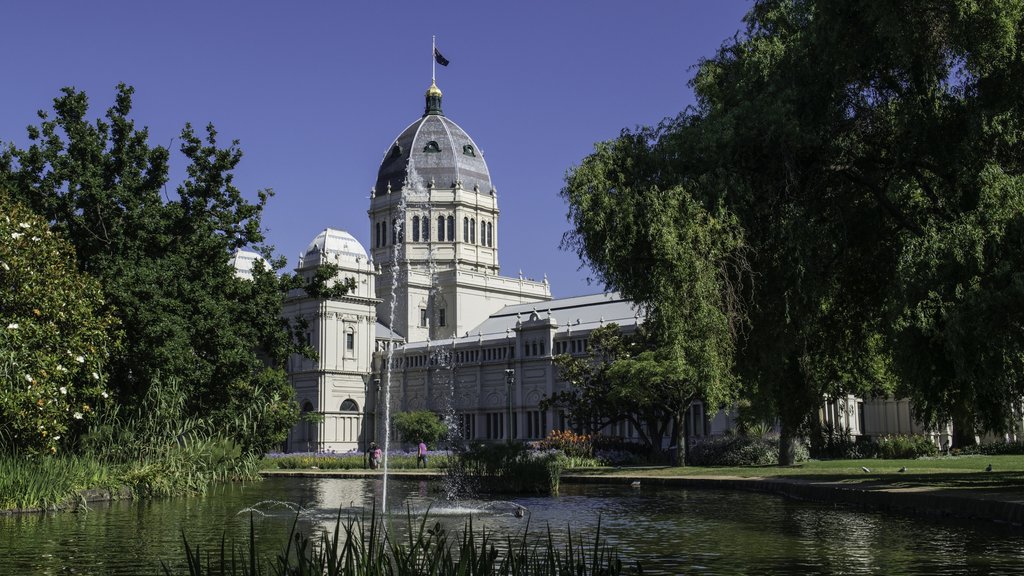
{"x":243,"y":260}
{"x":433,"y":90}
{"x":333,"y":241}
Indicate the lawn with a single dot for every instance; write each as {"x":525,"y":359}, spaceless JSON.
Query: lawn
{"x":944,"y":472}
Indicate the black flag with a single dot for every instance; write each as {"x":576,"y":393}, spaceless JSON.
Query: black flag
{"x":438,"y":58}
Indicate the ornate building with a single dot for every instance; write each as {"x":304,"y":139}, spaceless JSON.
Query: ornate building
{"x":432,"y":319}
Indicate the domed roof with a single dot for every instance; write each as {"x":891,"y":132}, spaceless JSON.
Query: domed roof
{"x":441,"y":152}
{"x":333,"y":241}
{"x":243,"y":261}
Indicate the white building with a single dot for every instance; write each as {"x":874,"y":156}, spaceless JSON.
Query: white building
{"x":460,"y":339}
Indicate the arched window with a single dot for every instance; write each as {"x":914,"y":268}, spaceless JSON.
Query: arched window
{"x":376,"y":233}
{"x":490,"y":234}
{"x":415,"y":228}
{"x":307,"y":406}
{"x":426,"y":229}
{"x":465,"y":229}
{"x":472,"y":230}
{"x":349,"y":405}
{"x":451,"y":229}
{"x":440,"y":228}
{"x":394,"y":230}
{"x":432,"y":147}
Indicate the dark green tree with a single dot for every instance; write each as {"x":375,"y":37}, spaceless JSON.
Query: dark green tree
{"x":870,"y":154}
{"x":163,"y":262}
{"x":420,"y":425}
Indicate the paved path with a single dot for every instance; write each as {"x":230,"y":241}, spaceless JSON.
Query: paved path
{"x":1000,"y":505}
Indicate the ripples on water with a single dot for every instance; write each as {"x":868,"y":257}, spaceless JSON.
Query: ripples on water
{"x":670,"y":531}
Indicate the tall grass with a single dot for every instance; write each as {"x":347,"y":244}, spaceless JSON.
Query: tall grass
{"x":367,"y":548}
{"x":155,"y":448}
{"x":40,"y":482}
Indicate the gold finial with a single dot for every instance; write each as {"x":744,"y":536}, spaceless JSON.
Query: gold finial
{"x":433,"y":90}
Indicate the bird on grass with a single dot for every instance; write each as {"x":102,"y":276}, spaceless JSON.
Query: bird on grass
{"x":903,"y":469}
{"x":866,"y":469}
{"x":988,"y":468}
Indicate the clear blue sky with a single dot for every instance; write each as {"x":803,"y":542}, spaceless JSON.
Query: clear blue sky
{"x":317,"y":91}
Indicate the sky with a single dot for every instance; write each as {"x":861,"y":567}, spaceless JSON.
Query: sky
{"x":316,"y":91}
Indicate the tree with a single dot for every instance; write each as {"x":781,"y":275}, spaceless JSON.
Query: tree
{"x":865,"y":152}
{"x":163,"y":264}
{"x":420,"y":425}
{"x":680,"y":258}
{"x":55,"y":337}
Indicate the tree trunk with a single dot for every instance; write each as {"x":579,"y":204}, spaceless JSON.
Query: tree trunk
{"x":787,"y":445}
{"x":963,"y":431}
{"x":682,"y":437}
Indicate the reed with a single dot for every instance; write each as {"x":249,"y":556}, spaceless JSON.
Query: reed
{"x":41,"y":482}
{"x":364,"y":547}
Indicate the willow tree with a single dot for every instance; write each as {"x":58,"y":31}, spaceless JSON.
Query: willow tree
{"x":871,"y":155}
{"x":681,"y":260}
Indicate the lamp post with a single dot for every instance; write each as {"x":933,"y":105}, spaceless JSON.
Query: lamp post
{"x":510,"y":381}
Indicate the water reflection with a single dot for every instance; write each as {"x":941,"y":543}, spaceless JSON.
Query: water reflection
{"x":670,"y":531}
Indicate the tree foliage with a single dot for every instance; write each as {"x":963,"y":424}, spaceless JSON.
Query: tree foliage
{"x":870,"y":157}
{"x":420,"y":425}
{"x":163,"y":262}
{"x":55,"y":337}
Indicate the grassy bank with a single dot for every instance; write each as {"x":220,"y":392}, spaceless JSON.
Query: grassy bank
{"x":943,"y":471}
{"x":54,"y":483}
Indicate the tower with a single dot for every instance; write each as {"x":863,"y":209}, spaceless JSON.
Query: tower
{"x":434,"y":232}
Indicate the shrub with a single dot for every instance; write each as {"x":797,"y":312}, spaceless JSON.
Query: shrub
{"x":420,"y":425}
{"x":837,"y":442}
{"x":740,"y":451}
{"x":905,"y":446}
{"x":992,"y":449}
{"x":617,"y":451}
{"x":509,"y":468}
{"x":569,"y":443}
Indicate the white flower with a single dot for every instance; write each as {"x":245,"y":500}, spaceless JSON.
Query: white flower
{"x":56,"y":437}
{"x":35,"y":238}
{"x":104,"y":394}
{"x":78,"y":415}
{"x":28,"y":377}
{"x":63,"y":390}
{"x":79,"y":359}
{"x":25,"y":225}
{"x":16,"y":235}
{"x":95,"y":376}
{"x":4,"y":266}
{"x":61,"y":368}
{"x":12,"y":326}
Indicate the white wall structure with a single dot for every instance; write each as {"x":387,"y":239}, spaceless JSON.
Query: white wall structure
{"x":343,"y":333}
{"x":462,"y":340}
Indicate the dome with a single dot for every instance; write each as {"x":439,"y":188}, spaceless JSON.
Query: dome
{"x":333,"y":241}
{"x":243,"y":260}
{"x":440,"y":151}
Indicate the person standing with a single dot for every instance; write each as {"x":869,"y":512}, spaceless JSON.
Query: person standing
{"x":421,"y":455}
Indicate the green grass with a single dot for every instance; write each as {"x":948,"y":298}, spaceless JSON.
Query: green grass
{"x":344,"y":462}
{"x":955,"y":472}
{"x":49,"y":482}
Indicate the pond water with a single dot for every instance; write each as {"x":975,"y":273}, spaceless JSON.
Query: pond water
{"x":671,"y":531}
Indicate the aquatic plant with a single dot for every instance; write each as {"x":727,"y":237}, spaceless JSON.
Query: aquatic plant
{"x":365,"y":547}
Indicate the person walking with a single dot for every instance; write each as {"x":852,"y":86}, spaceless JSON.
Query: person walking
{"x":421,"y":455}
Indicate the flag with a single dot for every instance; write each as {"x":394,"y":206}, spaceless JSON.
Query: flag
{"x":438,"y":58}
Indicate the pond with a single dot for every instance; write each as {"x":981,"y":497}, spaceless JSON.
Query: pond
{"x":671,"y":531}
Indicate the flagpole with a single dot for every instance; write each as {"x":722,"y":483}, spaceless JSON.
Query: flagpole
{"x":433,"y":60}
